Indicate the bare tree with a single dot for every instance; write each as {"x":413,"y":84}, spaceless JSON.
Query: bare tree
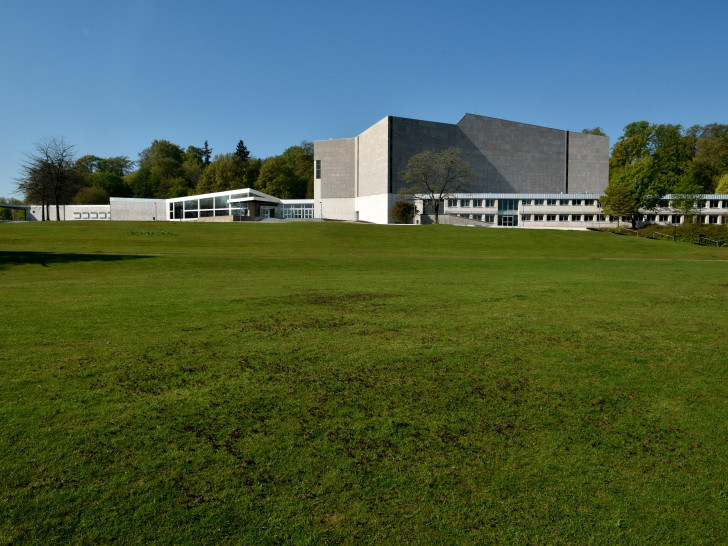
{"x":436,"y":175}
{"x":48,"y":173}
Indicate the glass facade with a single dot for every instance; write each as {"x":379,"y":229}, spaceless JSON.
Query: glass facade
{"x":207,"y":206}
{"x":296,"y":210}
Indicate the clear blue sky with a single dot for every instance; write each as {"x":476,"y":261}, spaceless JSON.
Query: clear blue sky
{"x":111,"y":77}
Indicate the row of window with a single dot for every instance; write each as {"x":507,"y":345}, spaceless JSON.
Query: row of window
{"x":476,"y":203}
{"x":296,"y":210}
{"x":564,"y":217}
{"x":297,"y":213}
{"x":490,"y":203}
{"x":490,"y":218}
{"x":91,"y":215}
{"x":511,"y":203}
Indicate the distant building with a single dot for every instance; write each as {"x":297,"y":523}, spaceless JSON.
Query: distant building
{"x":358,"y":178}
{"x":525,"y":176}
{"x":234,"y":205}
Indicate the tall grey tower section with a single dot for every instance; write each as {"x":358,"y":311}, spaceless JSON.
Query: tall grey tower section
{"x":358,"y":178}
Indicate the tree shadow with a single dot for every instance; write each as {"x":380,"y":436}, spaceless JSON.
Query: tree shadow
{"x":48,"y":259}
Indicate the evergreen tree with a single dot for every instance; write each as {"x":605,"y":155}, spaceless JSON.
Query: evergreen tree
{"x":206,"y":154}
{"x":242,"y":151}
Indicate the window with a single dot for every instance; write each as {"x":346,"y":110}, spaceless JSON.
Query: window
{"x":713,"y":219}
{"x":102,"y":215}
{"x":318,"y":169}
{"x":76,"y":215}
{"x":550,"y":217}
{"x":526,"y":217}
{"x":551,"y":202}
{"x":85,"y":215}
{"x":489,"y":218}
{"x":507,"y":204}
{"x":576,"y":202}
{"x":452,"y":203}
{"x":206,"y":203}
{"x":524,"y":202}
{"x":94,"y":215}
{"x":563,"y":217}
{"x":465,"y":202}
{"x":663,"y":217}
{"x":576,"y":217}
{"x":477,"y":216}
{"x":589,"y":202}
{"x":538,"y":217}
{"x":600,"y":218}
{"x":538,"y":202}
{"x":675,"y":218}
{"x":477,"y":202}
{"x":490,"y":202}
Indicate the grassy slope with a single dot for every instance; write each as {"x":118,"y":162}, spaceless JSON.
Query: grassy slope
{"x":349,"y":382}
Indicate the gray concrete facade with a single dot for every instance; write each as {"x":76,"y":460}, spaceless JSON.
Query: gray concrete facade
{"x":506,"y":156}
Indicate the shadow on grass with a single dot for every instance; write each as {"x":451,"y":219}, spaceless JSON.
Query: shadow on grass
{"x":47,"y":259}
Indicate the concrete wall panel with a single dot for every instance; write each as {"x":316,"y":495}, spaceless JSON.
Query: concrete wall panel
{"x":373,"y":159}
{"x":335,"y":209}
{"x":513,"y":157}
{"x":138,"y":209}
{"x":375,"y":208}
{"x":588,"y":163}
{"x":412,"y":136}
{"x":338,"y":168}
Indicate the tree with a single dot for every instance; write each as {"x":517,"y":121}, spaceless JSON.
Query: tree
{"x":7,"y":214}
{"x":226,"y":172}
{"x":436,"y":175}
{"x":206,"y":154}
{"x":650,"y":160}
{"x":119,"y":165}
{"x":722,"y":186}
{"x":596,"y":131}
{"x":403,"y":212}
{"x":165,"y":171}
{"x":289,"y":175}
{"x":619,"y":201}
{"x":48,"y":173}
{"x":91,"y":195}
{"x":687,"y":199}
{"x":711,"y":155}
{"x":242,"y":151}
{"x":105,"y":174}
{"x":278,"y":179}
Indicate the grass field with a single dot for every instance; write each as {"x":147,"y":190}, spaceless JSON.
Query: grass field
{"x":313,"y":383}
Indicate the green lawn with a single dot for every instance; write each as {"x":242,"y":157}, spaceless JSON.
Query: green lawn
{"x":313,"y":383}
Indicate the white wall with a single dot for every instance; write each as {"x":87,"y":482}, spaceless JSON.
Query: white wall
{"x":334,"y":209}
{"x":375,"y":208}
{"x":69,"y":212}
{"x":123,"y":208}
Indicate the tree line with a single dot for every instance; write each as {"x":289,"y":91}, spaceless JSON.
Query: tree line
{"x":51,"y":175}
{"x":650,"y":161}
